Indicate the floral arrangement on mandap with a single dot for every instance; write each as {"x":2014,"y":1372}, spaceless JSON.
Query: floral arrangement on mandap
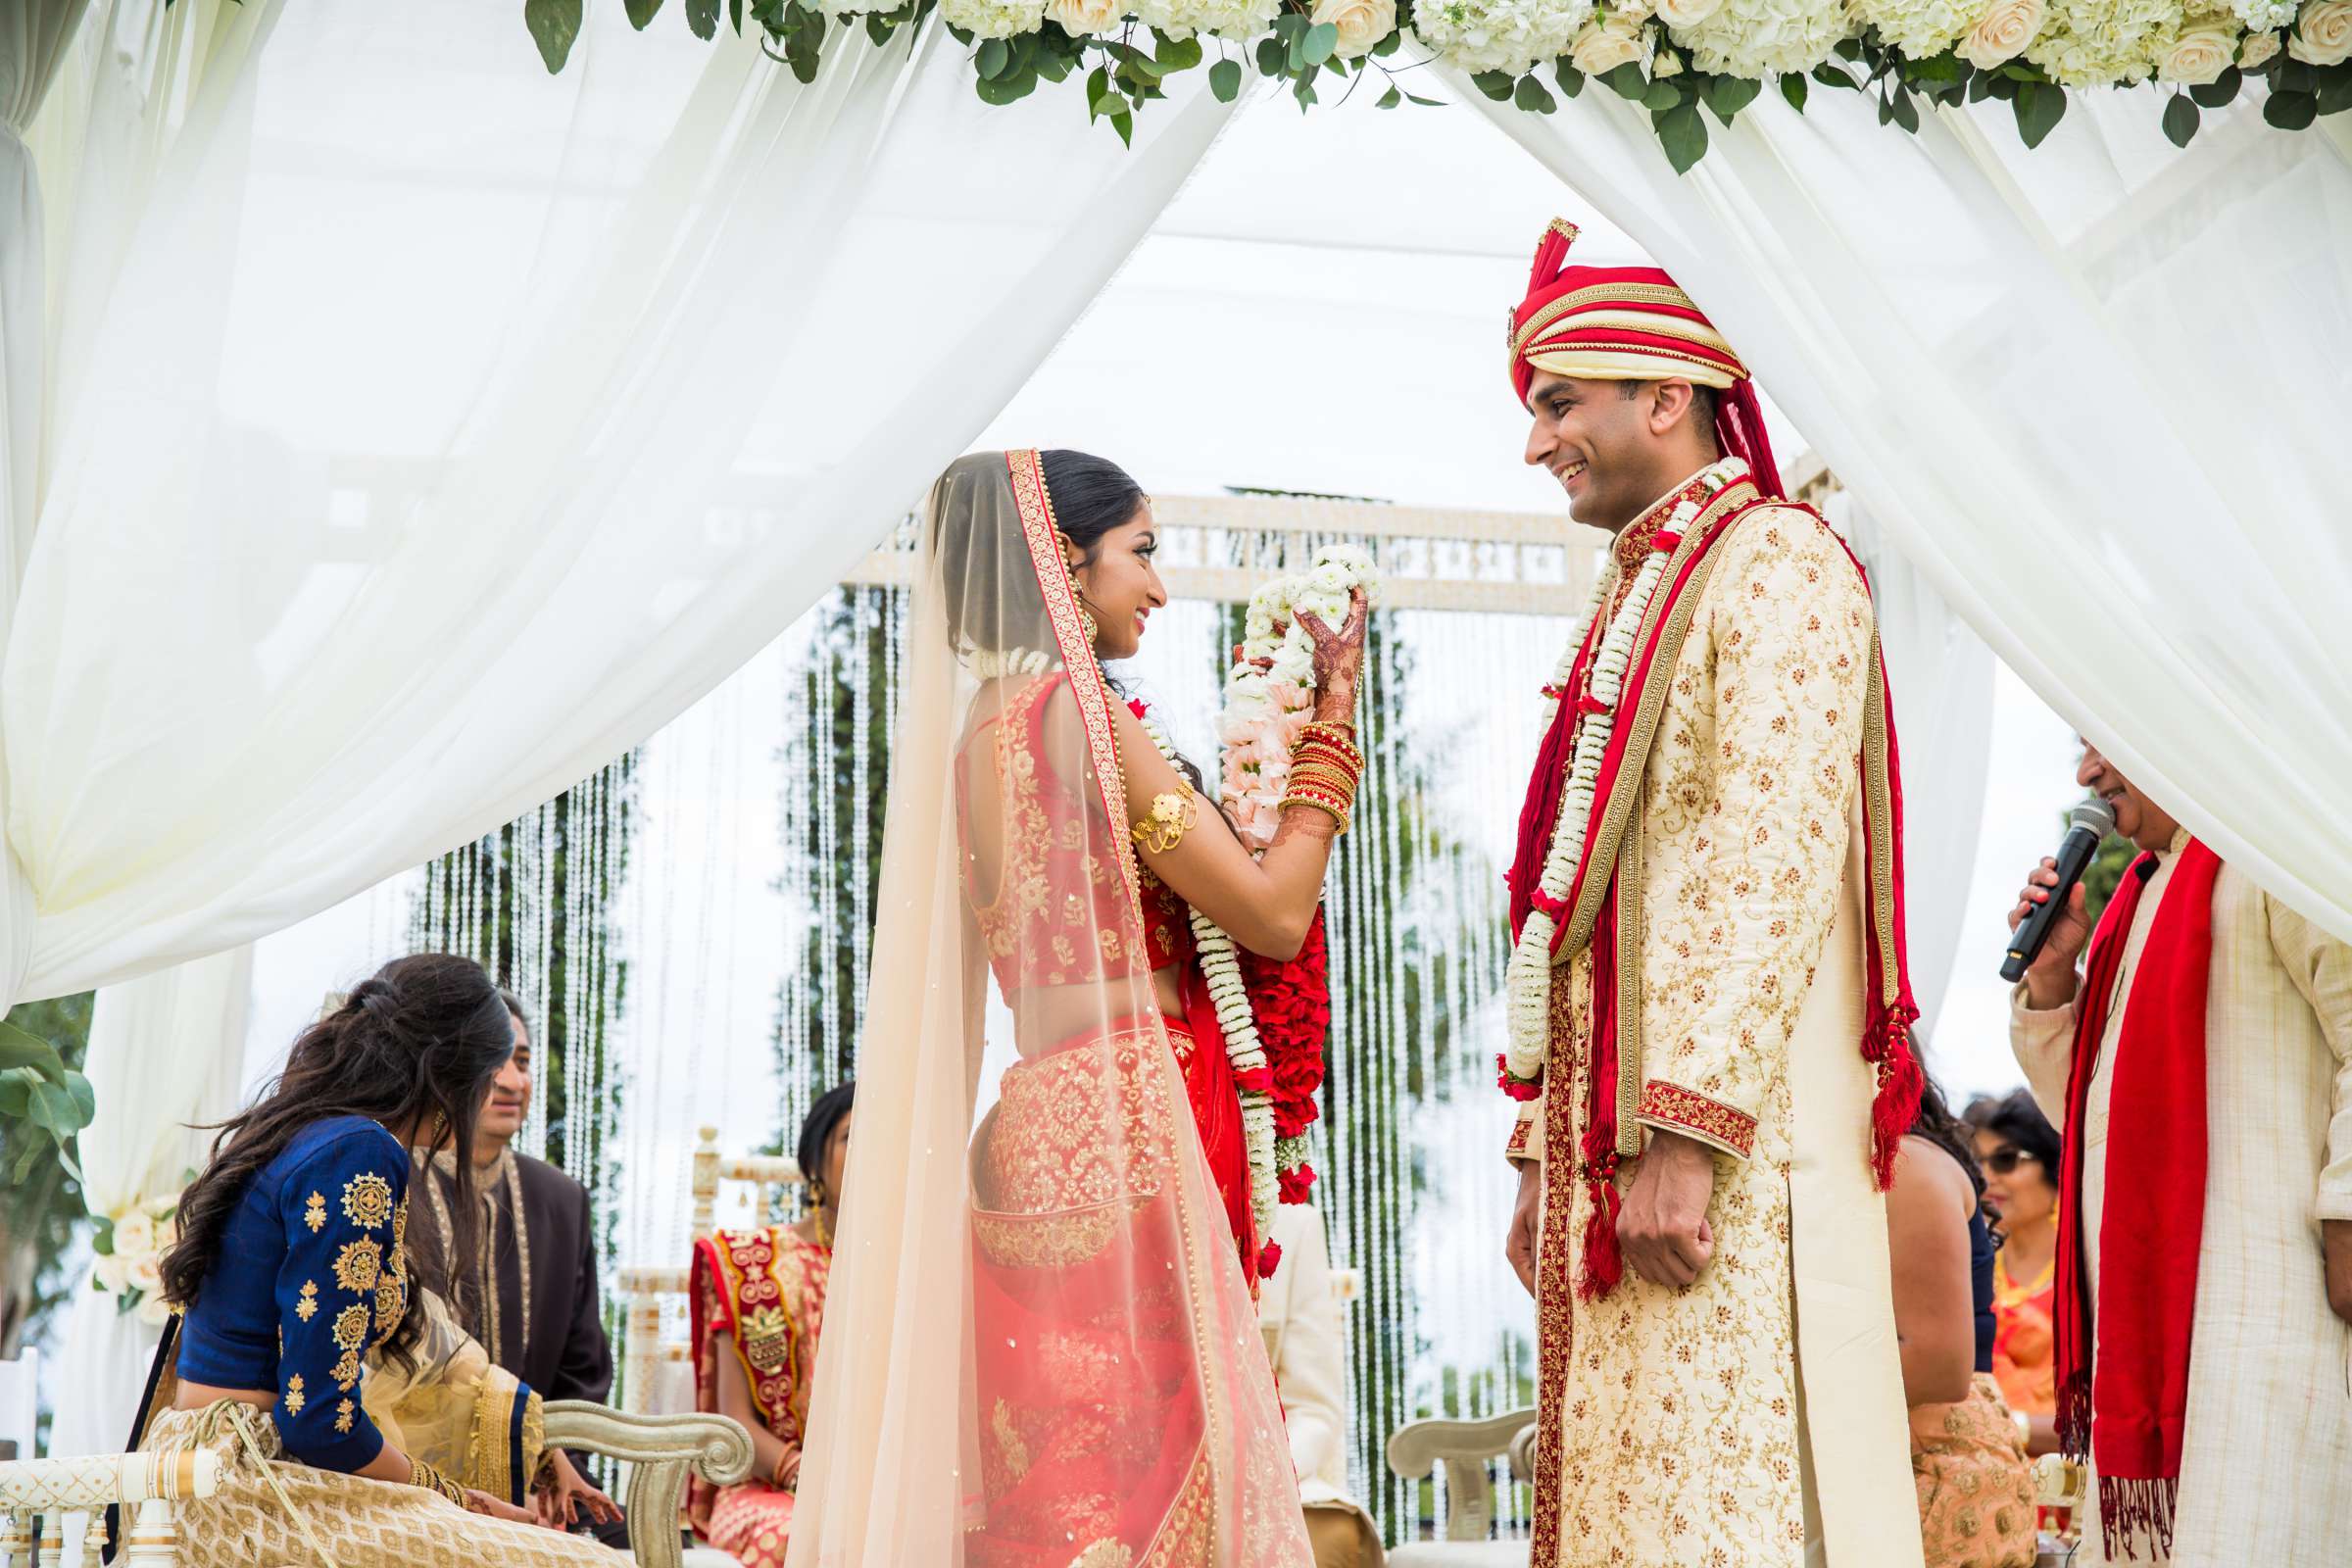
{"x":1275,"y":1017}
{"x":1676,"y":58}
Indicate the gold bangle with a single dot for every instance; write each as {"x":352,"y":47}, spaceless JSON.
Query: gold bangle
{"x":1172,"y":815}
{"x":1334,"y":809}
{"x":424,"y":1475}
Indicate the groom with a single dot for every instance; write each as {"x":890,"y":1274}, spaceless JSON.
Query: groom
{"x":1708,"y":996}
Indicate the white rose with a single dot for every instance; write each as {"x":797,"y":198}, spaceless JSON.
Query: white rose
{"x":2258,"y":49}
{"x":2003,"y":34}
{"x":2200,"y":54}
{"x":1687,"y":13}
{"x":134,"y":1236}
{"x":110,"y":1273}
{"x":1081,"y":19}
{"x":2323,"y":34}
{"x":1668,"y":64}
{"x":143,"y":1274}
{"x":1361,"y":24}
{"x":154,"y":1311}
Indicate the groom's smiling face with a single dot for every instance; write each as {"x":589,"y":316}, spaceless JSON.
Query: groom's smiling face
{"x":1611,"y":444}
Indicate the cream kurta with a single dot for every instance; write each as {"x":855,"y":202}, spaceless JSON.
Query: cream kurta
{"x":1758,"y":1413}
{"x":2266,"y":1462}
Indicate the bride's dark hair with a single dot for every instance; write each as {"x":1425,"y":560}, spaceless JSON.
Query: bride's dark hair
{"x":422,"y":1036}
{"x":992,"y":598}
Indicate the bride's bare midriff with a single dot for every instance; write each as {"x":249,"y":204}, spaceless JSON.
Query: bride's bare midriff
{"x":1048,"y":1015}
{"x":196,"y":1395}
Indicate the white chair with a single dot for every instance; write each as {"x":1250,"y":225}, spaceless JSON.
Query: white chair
{"x":20,"y":1405}
{"x":657,"y":1364}
{"x":660,"y":1452}
{"x":58,"y":1492}
{"x":1465,"y":1450}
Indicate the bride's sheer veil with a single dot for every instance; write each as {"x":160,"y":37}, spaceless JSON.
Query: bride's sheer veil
{"x":1038,"y":1348}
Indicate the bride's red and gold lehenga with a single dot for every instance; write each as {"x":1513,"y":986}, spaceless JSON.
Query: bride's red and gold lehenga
{"x":1056,"y":1360}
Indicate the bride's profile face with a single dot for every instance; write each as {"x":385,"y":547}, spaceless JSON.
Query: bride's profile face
{"x":1121,"y":586}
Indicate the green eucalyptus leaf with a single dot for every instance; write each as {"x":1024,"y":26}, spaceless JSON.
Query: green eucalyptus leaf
{"x":702,"y":17}
{"x":1294,"y":49}
{"x":1177,"y":54}
{"x":2294,"y":77}
{"x":641,"y":12}
{"x":1532,"y":97}
{"x":2291,"y":111}
{"x":1728,"y":95}
{"x":1225,"y":81}
{"x":1426,"y":103}
{"x":1661,"y":96}
{"x":1830,"y":76}
{"x":1321,"y":39}
{"x":1124,"y":124}
{"x":1793,"y":88}
{"x":1571,"y":80}
{"x":1494,"y":85}
{"x":555,"y":27}
{"x":16,"y":1090}
{"x":1009,"y":88}
{"x":2336,"y":90}
{"x":1684,"y":135}
{"x":21,"y":1048}
{"x":1627,"y":81}
{"x":1389,"y":99}
{"x":1390,"y":45}
{"x":1849,"y":49}
{"x":2221,"y":90}
{"x":1906,"y":110}
{"x":995,"y":55}
{"x":2179,"y":119}
{"x":2039,"y":106}
{"x":1269,"y":57}
{"x":102,"y":1236}
{"x":1303,"y":89}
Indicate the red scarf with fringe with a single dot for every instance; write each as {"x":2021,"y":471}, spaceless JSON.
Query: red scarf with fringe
{"x":1889,"y":1010}
{"x":2125,"y":1413}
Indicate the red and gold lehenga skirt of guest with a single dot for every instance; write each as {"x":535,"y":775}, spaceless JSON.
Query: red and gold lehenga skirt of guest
{"x":759,"y":1296}
{"x":1092,"y":1433}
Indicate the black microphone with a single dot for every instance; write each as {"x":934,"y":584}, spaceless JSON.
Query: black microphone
{"x":2090,"y":822}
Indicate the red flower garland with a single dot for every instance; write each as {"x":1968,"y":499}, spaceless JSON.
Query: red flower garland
{"x":1292,"y":1004}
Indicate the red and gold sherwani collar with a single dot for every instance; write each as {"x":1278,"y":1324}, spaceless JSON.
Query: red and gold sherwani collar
{"x":1636,"y":539}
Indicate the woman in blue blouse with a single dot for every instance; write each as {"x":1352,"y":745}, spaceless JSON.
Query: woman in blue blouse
{"x":290,"y":1277}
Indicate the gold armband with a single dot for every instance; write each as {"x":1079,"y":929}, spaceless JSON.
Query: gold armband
{"x":1173,"y":813}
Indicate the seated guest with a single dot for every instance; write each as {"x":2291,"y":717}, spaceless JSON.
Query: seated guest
{"x":2199,"y":1066}
{"x":291,"y":1275}
{"x":527,"y":1294}
{"x":1968,"y":1459}
{"x":2019,"y":1148}
{"x":759,"y":1306}
{"x":1308,"y":1341}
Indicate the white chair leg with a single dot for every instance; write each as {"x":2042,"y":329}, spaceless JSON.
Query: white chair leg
{"x":53,"y":1537}
{"x":16,"y":1540}
{"x":153,"y":1541}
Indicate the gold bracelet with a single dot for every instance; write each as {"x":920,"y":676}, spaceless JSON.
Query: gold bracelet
{"x":1336,"y":810}
{"x":1172,"y":815}
{"x":1323,"y":778}
{"x":424,"y":1475}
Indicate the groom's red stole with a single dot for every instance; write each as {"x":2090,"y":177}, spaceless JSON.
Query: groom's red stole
{"x":2125,"y":1413}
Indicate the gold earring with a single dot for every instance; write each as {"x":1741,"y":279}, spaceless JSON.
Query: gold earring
{"x":1087,"y":616}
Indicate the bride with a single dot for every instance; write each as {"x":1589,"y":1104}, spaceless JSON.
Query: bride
{"x":1055,"y":1362}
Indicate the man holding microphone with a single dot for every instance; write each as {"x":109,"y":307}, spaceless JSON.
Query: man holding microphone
{"x":2199,"y":1065}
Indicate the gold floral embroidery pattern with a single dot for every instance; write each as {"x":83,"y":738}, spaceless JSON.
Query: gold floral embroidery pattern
{"x":314,"y":1213}
{"x":1711,"y":1121}
{"x":344,"y":1410}
{"x":295,"y":1398}
{"x":346,"y":1370}
{"x":1047,"y":1240}
{"x":391,"y":1304}
{"x":368,"y":1201}
{"x":358,"y":1264}
{"x":305,"y":1302}
{"x":1010,"y":1445}
{"x":1104,"y":1555}
{"x":351,"y":1328}
{"x":766,"y":1338}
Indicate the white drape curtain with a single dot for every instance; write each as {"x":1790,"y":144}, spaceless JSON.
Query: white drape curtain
{"x":1942,"y":676}
{"x":2095,"y":392}
{"x":448,"y":427}
{"x":165,"y":1055}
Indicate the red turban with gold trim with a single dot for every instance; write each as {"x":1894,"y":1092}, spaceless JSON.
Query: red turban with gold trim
{"x":1632,"y":324}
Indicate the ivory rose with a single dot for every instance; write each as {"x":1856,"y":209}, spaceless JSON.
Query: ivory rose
{"x":1081,"y":19}
{"x":2003,"y":33}
{"x":2323,"y":34}
{"x":2201,"y":52}
{"x":1361,"y":24}
{"x":1687,"y":13}
{"x":134,"y":1236}
{"x":2257,"y":50}
{"x":1606,"y":44}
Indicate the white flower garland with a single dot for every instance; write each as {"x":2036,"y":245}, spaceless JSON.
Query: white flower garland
{"x":1528,"y":982}
{"x":1221,"y":967}
{"x":1265,"y":708}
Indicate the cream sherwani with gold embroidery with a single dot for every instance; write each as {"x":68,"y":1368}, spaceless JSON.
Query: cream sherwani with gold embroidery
{"x":1756,"y":1418}
{"x":2266,"y":1453}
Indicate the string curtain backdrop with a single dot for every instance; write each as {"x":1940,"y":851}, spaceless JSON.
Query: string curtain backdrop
{"x":2090,"y":391}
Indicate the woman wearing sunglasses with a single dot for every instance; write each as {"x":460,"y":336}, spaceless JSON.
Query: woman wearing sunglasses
{"x":2019,"y":1150}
